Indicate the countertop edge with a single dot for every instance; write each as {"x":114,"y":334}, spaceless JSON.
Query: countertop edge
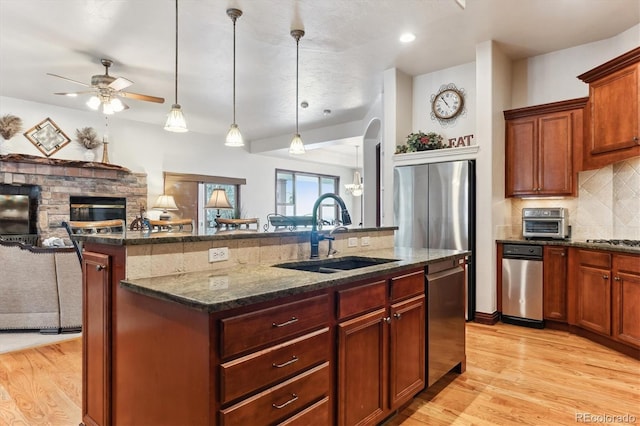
{"x":578,"y":244}
{"x":310,"y":281}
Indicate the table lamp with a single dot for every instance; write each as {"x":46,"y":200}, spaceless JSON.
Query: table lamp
{"x":165,"y":203}
{"x":218,"y":200}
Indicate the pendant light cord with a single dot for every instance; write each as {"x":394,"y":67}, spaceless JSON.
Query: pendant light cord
{"x":176,"y":82}
{"x":234,"y":70}
{"x":297,"y":83}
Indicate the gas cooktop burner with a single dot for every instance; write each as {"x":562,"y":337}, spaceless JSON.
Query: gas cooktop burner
{"x":627,"y":243}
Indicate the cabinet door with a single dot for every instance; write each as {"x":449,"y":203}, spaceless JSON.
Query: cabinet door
{"x":362,"y":369}
{"x":96,"y":339}
{"x":626,"y":299}
{"x":555,"y":283}
{"x":555,"y":148}
{"x":521,"y":157}
{"x":406,"y":349}
{"x":594,"y":299}
{"x":615,"y":122}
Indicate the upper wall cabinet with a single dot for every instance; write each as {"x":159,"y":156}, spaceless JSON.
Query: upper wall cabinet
{"x":613,"y":112}
{"x":539,"y":148}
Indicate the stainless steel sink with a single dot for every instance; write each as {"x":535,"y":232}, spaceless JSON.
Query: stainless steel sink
{"x":328,"y":266}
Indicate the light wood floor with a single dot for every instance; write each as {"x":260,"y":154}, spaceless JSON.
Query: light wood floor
{"x":514,"y":376}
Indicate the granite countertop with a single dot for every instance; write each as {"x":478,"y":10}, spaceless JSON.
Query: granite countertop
{"x":213,"y":291}
{"x":574,"y":243}
{"x":129,"y":238}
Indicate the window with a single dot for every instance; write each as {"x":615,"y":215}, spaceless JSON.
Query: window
{"x":296,"y":192}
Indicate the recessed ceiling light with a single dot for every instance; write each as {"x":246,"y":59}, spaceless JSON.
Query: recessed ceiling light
{"x":407,"y":37}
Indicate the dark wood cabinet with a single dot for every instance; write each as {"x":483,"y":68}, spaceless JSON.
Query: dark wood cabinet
{"x":96,"y":342}
{"x":613,"y":112}
{"x":381,"y":349}
{"x":539,"y":148}
{"x":607,"y":296}
{"x":626,"y":299}
{"x":555,"y":283}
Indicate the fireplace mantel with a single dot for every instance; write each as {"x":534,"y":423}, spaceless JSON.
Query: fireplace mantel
{"x":24,"y":158}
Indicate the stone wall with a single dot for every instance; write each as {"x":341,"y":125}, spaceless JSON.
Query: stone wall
{"x":60,"y":179}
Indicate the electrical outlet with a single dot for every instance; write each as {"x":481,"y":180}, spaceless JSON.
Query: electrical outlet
{"x":352,"y":242}
{"x":364,"y":241}
{"x":218,"y":254}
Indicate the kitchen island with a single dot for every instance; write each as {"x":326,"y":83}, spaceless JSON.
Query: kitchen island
{"x":241,"y":341}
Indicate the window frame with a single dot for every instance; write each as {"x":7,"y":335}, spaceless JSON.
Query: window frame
{"x":329,"y":202}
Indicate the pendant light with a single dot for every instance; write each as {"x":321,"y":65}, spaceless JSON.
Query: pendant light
{"x":355,"y":188}
{"x":175,"y":119}
{"x":234,"y":137}
{"x":297,"y":146}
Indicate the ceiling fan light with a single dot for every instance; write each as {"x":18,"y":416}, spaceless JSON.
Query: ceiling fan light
{"x":297,"y":146}
{"x":117,"y":105}
{"x":107,"y":108}
{"x":175,"y":120}
{"x":94,"y":103}
{"x":234,"y":137}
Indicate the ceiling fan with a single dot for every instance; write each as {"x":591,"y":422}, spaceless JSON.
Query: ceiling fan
{"x":107,"y":91}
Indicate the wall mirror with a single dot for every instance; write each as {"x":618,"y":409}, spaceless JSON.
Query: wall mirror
{"x":47,"y":137}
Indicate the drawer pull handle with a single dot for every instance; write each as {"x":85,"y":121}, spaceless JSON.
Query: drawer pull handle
{"x":284,"y":364}
{"x":295,"y":398}
{"x":397,"y":315}
{"x":291,"y":321}
{"x":100,"y":267}
{"x":605,"y":277}
{"x":617,"y":279}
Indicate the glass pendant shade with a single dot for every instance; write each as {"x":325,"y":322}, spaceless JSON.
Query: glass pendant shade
{"x":94,"y":103}
{"x":234,"y":137}
{"x":356,"y":187}
{"x":116,"y":104}
{"x":297,"y":146}
{"x":175,"y":120}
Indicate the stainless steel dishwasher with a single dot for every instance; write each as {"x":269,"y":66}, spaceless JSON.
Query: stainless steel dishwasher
{"x":522,"y":285}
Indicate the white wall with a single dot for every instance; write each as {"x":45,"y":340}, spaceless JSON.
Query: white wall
{"x":553,"y":76}
{"x":149,"y":149}
{"x":426,"y":85}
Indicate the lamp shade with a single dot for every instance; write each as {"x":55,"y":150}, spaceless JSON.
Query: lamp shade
{"x":175,"y":120}
{"x":165,"y":202}
{"x":234,"y":137}
{"x":297,"y":146}
{"x":218,"y":200}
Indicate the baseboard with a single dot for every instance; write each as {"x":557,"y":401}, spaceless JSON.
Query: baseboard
{"x":487,"y":319}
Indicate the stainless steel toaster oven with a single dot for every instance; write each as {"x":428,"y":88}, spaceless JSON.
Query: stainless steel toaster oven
{"x":545,"y":223}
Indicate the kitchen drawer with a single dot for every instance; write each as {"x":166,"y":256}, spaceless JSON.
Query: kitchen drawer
{"x":361,"y":299}
{"x":246,"y":332}
{"x":406,"y":286}
{"x":594,"y":258}
{"x":281,"y":401}
{"x":318,"y":414}
{"x":258,"y":370}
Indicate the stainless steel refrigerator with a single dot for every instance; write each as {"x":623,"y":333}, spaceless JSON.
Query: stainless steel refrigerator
{"x":434,"y":207}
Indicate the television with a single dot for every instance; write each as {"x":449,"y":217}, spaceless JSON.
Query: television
{"x":14,"y":214}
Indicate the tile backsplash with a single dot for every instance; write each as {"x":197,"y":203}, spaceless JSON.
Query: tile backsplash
{"x":607,"y":206}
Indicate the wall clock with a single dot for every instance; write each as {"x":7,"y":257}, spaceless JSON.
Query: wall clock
{"x":447,"y":104}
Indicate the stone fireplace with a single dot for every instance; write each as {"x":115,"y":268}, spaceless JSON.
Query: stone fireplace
{"x":58,"y":180}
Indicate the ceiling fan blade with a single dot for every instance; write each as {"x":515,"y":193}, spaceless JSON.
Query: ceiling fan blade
{"x":120,"y":83}
{"x":140,"y":97}
{"x":74,"y":93}
{"x":462,"y":3}
{"x":68,"y":79}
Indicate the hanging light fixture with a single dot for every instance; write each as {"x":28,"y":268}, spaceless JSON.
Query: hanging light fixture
{"x":356,"y":187}
{"x":175,"y":119}
{"x":297,"y":146}
{"x":234,"y":137}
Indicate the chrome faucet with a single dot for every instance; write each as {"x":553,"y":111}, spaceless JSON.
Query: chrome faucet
{"x":315,"y":236}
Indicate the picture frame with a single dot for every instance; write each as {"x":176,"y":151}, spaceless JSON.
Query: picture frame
{"x":47,"y":137}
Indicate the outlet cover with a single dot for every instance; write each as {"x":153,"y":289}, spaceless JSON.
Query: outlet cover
{"x":364,"y":241}
{"x":352,"y":242}
{"x":218,"y":254}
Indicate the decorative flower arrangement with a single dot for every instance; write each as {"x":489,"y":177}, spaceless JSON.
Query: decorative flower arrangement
{"x":421,"y":142}
{"x":9,"y":126}
{"x":88,"y":137}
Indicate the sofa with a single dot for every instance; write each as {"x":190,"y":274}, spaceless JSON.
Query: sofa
{"x":40,"y":289}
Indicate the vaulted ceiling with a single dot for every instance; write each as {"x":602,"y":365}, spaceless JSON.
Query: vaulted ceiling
{"x":347,"y":46}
